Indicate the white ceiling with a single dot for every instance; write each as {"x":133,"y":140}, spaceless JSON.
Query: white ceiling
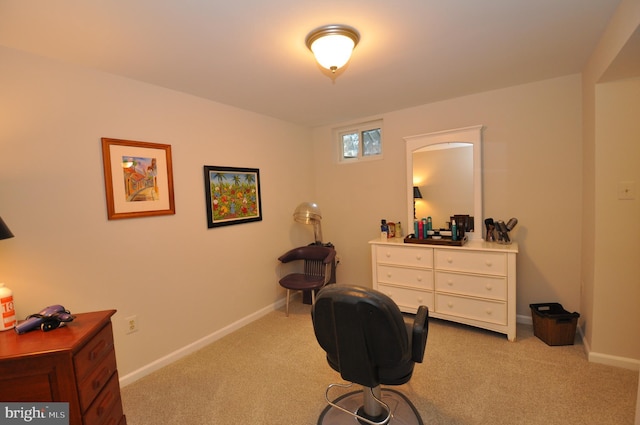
{"x":251,"y":53}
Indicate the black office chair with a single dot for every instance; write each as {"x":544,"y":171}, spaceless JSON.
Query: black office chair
{"x":315,"y":274}
{"x":367,"y":340}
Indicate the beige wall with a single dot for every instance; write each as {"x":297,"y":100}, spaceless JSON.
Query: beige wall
{"x":532,"y":171}
{"x":182,"y":280}
{"x":617,"y":248}
{"x":611,"y":295}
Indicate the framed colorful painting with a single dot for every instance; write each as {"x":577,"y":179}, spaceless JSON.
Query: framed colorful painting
{"x":138,"y":178}
{"x":233,"y":195}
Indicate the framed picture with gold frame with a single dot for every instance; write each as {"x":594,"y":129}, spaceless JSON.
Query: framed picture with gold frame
{"x":138,"y":178}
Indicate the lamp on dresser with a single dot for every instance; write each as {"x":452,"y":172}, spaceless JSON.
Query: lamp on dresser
{"x":416,"y":195}
{"x":5,"y":233}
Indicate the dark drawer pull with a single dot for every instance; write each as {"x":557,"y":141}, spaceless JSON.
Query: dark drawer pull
{"x":97,"y":349}
{"x":105,"y":373}
{"x":104,"y":403}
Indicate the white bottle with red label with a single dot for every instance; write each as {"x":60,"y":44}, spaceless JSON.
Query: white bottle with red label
{"x":7,"y":308}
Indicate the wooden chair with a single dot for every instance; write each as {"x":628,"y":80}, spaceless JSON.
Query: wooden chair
{"x":316,"y":273}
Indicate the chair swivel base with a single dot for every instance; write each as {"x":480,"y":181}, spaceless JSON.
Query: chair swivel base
{"x":403,"y":412}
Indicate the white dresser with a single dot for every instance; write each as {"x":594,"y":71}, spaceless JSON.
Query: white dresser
{"x":474,"y":284}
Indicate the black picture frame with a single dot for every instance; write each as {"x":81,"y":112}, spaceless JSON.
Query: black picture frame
{"x":232,"y":195}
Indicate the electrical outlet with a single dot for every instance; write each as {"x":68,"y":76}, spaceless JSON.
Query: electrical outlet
{"x":132,"y":324}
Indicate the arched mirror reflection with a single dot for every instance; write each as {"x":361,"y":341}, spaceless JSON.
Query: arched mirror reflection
{"x":444,"y":177}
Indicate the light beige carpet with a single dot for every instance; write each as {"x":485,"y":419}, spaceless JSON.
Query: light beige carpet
{"x":273,"y":372}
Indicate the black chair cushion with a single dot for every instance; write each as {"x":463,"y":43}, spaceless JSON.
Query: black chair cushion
{"x":301,"y":282}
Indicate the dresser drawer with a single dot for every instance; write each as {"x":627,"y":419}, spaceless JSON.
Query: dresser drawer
{"x":91,"y":354}
{"x":96,"y":379}
{"x":417,"y":278}
{"x":107,"y":405}
{"x":405,"y":256}
{"x":482,"y":262}
{"x":472,"y":308}
{"x":474,"y":285}
{"x":408,"y":299}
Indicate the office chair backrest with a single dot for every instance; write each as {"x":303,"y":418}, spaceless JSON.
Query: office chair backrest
{"x":363,"y":333}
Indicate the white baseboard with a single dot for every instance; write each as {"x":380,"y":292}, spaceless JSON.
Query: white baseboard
{"x":610,"y":360}
{"x":607,"y":359}
{"x":196,"y":345}
{"x":524,"y":319}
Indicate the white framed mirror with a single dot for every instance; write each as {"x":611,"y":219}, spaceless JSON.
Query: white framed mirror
{"x":458,"y":157}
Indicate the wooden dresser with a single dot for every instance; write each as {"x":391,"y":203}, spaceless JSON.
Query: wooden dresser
{"x":75,"y":364}
{"x":474,"y":284}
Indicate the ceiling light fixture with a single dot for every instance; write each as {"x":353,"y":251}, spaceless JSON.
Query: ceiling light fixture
{"x":332,"y":45}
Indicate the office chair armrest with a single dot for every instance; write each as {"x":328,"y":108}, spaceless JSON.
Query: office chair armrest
{"x":419,"y":334}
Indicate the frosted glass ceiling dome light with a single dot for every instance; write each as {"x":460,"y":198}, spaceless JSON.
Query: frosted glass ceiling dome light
{"x":309,"y":213}
{"x":332,"y":45}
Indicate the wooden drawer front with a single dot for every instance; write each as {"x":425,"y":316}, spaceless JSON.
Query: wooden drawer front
{"x":474,"y":285}
{"x":408,"y":299}
{"x":93,"y":352}
{"x":115,"y":416}
{"x":493,"y":263}
{"x":107,"y":406}
{"x":96,"y":379}
{"x":470,"y":308}
{"x":405,"y":256}
{"x":417,"y":278}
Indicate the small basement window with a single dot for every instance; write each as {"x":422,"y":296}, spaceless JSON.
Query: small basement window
{"x":360,"y":142}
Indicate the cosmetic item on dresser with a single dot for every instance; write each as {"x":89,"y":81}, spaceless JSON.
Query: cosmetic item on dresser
{"x":392,"y":230}
{"x":7,"y":308}
{"x":384,"y":229}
